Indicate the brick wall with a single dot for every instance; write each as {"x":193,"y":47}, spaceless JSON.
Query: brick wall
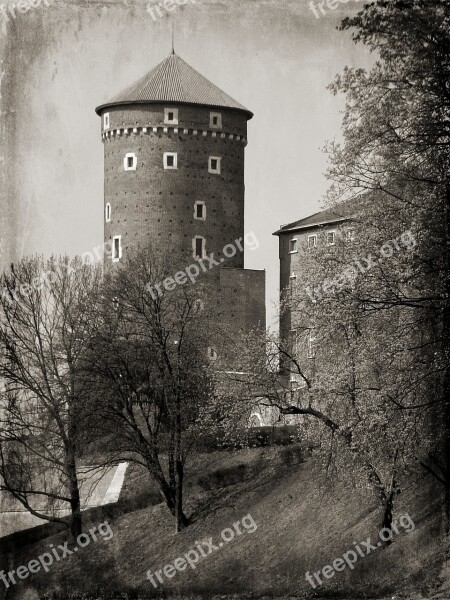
{"x":189,"y":117}
{"x":243,"y":307}
{"x":156,"y":205}
{"x":153,"y":205}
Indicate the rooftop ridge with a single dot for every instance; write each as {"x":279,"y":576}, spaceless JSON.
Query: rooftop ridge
{"x":331,"y":214}
{"x":174,"y":80}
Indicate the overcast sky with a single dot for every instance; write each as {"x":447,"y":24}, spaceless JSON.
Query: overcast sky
{"x":276,"y":58}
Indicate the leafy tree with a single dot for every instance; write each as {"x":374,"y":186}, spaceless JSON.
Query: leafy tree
{"x":370,"y":368}
{"x":378,"y":306}
{"x":396,"y":147}
{"x":358,"y":434}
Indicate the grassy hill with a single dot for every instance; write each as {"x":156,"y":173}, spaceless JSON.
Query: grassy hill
{"x":301,"y":526}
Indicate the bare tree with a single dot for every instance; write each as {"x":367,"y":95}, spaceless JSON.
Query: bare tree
{"x":45,"y":320}
{"x":150,"y":359}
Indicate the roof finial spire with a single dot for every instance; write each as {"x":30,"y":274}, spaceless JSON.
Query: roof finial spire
{"x":173,"y":37}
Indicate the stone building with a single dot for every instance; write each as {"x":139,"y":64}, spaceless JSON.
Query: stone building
{"x":174,"y":148}
{"x":295,"y":239}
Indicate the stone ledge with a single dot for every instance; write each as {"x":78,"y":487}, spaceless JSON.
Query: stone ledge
{"x":111,"y":134}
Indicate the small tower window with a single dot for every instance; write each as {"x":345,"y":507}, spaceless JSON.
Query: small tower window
{"x":108,"y":212}
{"x":212,"y":353}
{"x":130,"y":162}
{"x":117,"y":248}
{"x":199,"y":247}
{"x":170,"y":160}
{"x":106,"y":121}
{"x":293,"y":246}
{"x":331,"y":238}
{"x":214,"y":165}
{"x":215,"y":120}
{"x":350,"y":235}
{"x":312,"y":241}
{"x":171,"y":116}
{"x":200,"y":211}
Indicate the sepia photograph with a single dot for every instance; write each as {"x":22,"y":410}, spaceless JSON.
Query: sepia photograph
{"x":225,"y":299}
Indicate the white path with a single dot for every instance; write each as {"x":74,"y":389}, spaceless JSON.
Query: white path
{"x":92,"y":486}
{"x":113,"y":493}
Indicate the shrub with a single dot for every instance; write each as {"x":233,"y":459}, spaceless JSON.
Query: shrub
{"x":272,"y":436}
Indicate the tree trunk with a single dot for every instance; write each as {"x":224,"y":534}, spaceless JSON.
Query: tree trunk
{"x":181,"y":520}
{"x":387,"y":516}
{"x":75,"y":504}
{"x":166,"y":491}
{"x":76,"y":526}
{"x":446,"y":452}
{"x":172,"y":475}
{"x":446,"y":386}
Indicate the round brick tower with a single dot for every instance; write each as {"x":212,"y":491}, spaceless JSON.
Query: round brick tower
{"x":174,"y":166}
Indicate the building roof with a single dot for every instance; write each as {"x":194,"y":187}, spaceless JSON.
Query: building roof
{"x":340,"y":212}
{"x":174,"y":81}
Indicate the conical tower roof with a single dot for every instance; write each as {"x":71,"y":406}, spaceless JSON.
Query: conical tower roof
{"x":174,"y":81}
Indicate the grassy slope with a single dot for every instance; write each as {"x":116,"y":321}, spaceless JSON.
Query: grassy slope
{"x":301,"y":526}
